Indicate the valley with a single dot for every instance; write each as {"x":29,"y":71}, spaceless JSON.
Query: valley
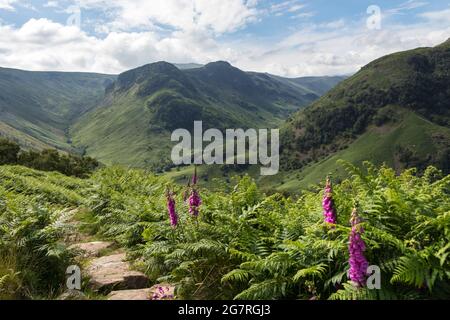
{"x":127,"y":119}
{"x":240,"y":157}
{"x":138,"y":228}
{"x":37,"y":108}
{"x":378,"y":114}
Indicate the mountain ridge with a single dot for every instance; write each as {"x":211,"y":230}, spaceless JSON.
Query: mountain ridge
{"x":146,"y":103}
{"x":384,"y":93}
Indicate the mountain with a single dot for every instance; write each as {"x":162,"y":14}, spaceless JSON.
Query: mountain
{"x":185,"y":66}
{"x":132,"y":125}
{"x":36,"y":108}
{"x":394,"y":110}
{"x":318,"y":85}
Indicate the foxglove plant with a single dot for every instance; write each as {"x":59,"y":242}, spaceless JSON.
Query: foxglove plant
{"x":329,"y":212}
{"x":358,"y":262}
{"x":194,"y":203}
{"x":171,"y":209}
{"x":194,"y":199}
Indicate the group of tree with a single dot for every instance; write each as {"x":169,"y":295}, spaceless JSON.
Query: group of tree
{"x":46,"y":160}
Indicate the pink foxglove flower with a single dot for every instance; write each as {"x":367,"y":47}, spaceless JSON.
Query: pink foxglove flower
{"x":358,"y":262}
{"x":194,"y":203}
{"x":171,"y":209}
{"x":329,"y":212}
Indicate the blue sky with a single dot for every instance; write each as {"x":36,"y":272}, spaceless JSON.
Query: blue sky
{"x":290,"y":38}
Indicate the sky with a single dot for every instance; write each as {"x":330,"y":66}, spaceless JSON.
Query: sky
{"x":290,"y":38}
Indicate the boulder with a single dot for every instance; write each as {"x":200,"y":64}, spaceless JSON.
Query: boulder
{"x":113,"y":273}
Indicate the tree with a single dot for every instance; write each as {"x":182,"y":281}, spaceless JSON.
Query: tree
{"x":9,"y":151}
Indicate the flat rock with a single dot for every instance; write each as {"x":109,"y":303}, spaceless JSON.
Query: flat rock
{"x":137,"y":294}
{"x":157,"y":292}
{"x":91,"y":249}
{"x":112,"y":272}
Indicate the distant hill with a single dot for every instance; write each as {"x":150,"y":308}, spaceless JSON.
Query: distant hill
{"x":185,"y":66}
{"x":318,"y":85}
{"x":395,"y":110}
{"x":132,"y":125}
{"x":36,"y":108}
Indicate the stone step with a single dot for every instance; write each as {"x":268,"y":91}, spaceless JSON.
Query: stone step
{"x":157,"y":292}
{"x":91,"y":249}
{"x":137,"y":294}
{"x":112,"y":272}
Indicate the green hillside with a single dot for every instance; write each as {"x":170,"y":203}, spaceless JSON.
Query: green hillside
{"x":395,"y":110}
{"x":317,"y":85}
{"x":132,"y":126}
{"x":406,"y":143}
{"x":36,"y":108}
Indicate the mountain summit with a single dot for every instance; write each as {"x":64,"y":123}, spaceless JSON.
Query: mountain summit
{"x":395,"y":110}
{"x":133,"y":123}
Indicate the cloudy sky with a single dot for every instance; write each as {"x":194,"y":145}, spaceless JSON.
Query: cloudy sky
{"x":290,"y":38}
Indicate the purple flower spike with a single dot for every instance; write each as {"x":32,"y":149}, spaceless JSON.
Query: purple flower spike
{"x":329,"y":212}
{"x":194,"y":203}
{"x":358,"y":262}
{"x":171,"y":209}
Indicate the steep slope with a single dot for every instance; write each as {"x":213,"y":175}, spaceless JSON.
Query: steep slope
{"x":133,"y":124}
{"x":395,"y":110}
{"x":36,"y":108}
{"x":317,"y":85}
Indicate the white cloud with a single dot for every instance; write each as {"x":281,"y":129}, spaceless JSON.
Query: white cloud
{"x":7,"y":5}
{"x":296,"y":7}
{"x":304,"y":15}
{"x":437,"y":16}
{"x":46,"y":45}
{"x":321,"y":50}
{"x":335,"y":47}
{"x":336,"y":24}
{"x":216,"y":16}
{"x":51,"y":4}
{"x":286,"y":6}
{"x":10,"y":5}
{"x":408,"y":5}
